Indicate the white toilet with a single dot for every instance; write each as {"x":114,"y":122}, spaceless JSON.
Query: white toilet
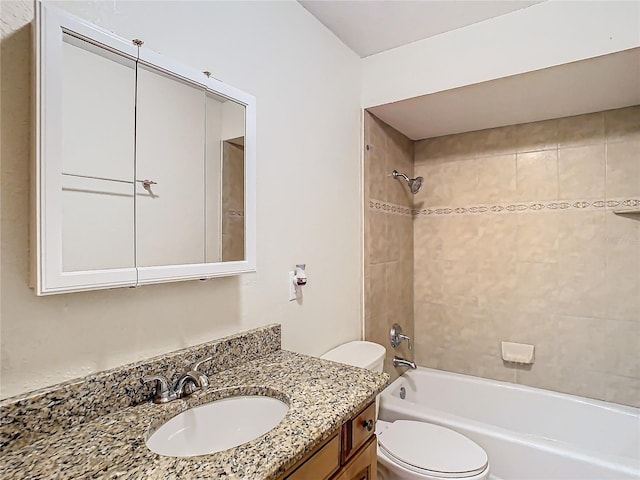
{"x":412,"y":450}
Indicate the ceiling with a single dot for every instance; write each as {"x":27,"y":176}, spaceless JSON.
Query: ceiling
{"x":592,"y":85}
{"x":369,"y":27}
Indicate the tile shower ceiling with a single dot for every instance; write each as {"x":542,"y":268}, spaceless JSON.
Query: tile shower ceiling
{"x":369,"y":27}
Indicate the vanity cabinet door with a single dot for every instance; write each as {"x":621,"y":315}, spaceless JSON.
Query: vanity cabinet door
{"x":322,"y":464}
{"x":363,"y":466}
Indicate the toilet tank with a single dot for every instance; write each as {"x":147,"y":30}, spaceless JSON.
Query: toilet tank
{"x":361,"y":354}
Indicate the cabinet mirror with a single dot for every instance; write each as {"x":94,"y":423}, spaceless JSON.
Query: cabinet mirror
{"x":145,"y":168}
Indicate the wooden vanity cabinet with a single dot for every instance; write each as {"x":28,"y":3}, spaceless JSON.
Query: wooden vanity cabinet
{"x":349,"y":454}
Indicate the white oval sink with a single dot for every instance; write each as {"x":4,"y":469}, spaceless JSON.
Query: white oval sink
{"x":217,"y":426}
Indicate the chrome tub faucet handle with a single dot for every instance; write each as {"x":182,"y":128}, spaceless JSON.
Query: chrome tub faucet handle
{"x":396,"y":336}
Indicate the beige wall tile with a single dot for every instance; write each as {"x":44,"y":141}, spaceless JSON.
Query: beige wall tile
{"x":497,"y":141}
{"x":624,"y":359}
{"x":447,"y":148}
{"x":537,"y":176}
{"x":622,"y":287}
{"x":537,"y":287}
{"x":432,"y":329}
{"x":581,"y":235}
{"x":428,"y":240}
{"x":582,"y":342}
{"x":437,"y":189}
{"x":539,"y":375}
{"x":549,"y":278}
{"x":376,"y":237}
{"x":581,"y":130}
{"x":581,"y":288}
{"x":462,"y":176}
{"x":399,"y":294}
{"x":460,"y":237}
{"x":532,"y":137}
{"x":496,"y":179}
{"x":576,"y":380}
{"x":537,"y":237}
{"x":460,"y":282}
{"x":497,"y":285}
{"x":623,"y":169}
{"x":622,"y":235}
{"x":534,"y":328}
{"x":428,"y":285}
{"x":374,"y":174}
{"x":399,"y":242}
{"x":491,"y":366}
{"x":622,"y":124}
{"x":423,"y":152}
{"x":624,"y":390}
{"x":581,"y":172}
{"x":497,"y":237}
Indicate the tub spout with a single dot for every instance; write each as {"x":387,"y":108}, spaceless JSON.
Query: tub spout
{"x":401,"y":362}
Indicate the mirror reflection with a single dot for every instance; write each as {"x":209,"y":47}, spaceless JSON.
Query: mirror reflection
{"x":153,"y":166}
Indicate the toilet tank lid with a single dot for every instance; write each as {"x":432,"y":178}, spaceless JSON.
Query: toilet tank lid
{"x":357,"y":353}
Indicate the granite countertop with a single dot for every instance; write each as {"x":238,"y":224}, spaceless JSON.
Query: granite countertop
{"x":321,"y":395}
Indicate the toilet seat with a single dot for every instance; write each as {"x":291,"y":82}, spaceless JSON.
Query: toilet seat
{"x":432,"y":450}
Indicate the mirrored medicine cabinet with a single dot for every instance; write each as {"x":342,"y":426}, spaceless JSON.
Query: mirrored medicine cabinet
{"x":144,"y":168}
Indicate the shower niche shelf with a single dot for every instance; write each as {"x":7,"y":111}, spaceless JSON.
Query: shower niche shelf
{"x":627,"y":211}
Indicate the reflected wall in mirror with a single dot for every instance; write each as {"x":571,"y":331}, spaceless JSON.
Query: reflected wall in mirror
{"x":233,"y":200}
{"x":98,"y":96}
{"x":225,"y":162}
{"x":145,"y":168}
{"x":170,"y":149}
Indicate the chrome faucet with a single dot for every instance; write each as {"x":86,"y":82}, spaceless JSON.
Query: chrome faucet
{"x":401,"y":362}
{"x":396,"y":337}
{"x":164,"y":393}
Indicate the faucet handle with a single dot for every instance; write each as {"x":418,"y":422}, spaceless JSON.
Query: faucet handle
{"x":203,"y":381}
{"x":195,"y":365}
{"x":396,"y":336}
{"x":163,"y":393}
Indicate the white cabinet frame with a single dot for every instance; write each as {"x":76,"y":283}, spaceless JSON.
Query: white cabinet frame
{"x":48,"y":276}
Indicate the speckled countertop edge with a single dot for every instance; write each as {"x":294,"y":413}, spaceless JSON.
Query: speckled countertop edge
{"x":25,"y":418}
{"x":321,"y":396}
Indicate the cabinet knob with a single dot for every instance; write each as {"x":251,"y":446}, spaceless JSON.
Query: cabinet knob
{"x":368,"y":425}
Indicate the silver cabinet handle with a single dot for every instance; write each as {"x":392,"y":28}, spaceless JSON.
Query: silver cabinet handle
{"x":368,"y":425}
{"x":146,"y":184}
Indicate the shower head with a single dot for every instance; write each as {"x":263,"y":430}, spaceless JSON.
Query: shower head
{"x":414,"y":183}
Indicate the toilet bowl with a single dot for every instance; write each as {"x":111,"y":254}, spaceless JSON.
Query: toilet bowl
{"x":412,"y":450}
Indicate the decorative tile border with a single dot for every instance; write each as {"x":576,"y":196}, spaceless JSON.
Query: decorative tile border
{"x":391,"y":208}
{"x":616,"y":203}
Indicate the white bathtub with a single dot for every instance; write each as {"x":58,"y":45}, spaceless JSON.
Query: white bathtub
{"x":528,"y":433}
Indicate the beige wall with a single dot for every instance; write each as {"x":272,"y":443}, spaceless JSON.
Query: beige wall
{"x":388,"y":236}
{"x":307,"y":86}
{"x":515,"y":240}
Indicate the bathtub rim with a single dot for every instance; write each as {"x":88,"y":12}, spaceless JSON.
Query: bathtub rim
{"x":628,"y":409}
{"x":407,"y":409}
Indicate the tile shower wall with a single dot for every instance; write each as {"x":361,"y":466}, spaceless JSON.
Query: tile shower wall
{"x":515,"y":239}
{"x":388,"y":236}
